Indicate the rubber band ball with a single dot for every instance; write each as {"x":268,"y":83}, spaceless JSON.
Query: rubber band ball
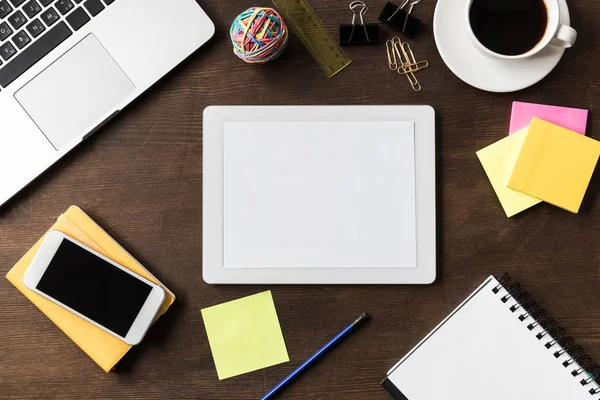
{"x":259,"y":35}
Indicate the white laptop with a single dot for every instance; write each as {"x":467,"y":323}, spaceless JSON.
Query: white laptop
{"x":319,"y":194}
{"x":68,"y":66}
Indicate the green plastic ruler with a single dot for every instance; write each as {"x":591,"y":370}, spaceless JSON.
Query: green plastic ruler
{"x":319,"y":42}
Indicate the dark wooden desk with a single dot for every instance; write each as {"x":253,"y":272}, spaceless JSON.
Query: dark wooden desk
{"x":141,"y":179}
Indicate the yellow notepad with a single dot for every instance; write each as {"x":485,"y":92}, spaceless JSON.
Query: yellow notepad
{"x":498,"y":161}
{"x":105,"y":349}
{"x":555,"y":165}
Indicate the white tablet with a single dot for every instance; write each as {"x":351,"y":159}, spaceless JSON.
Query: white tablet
{"x":319,"y":195}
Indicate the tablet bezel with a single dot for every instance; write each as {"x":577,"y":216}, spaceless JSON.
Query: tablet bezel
{"x":214,"y":272}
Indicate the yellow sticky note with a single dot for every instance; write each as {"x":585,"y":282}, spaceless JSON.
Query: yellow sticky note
{"x":555,"y":165}
{"x":245,"y":335}
{"x":498,"y":161}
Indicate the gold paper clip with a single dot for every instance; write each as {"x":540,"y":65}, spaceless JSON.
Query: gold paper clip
{"x":414,"y":83}
{"x":401,"y":56}
{"x":411,"y":64}
{"x":391,"y":55}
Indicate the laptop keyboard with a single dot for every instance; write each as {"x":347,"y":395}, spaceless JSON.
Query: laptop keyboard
{"x":30,"y":29}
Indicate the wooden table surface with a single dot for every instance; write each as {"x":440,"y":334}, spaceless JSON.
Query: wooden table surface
{"x":141,"y":179}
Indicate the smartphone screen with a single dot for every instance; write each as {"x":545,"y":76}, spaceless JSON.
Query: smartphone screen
{"x":92,"y":287}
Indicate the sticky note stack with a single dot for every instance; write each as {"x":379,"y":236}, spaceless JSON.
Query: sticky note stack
{"x":550,"y":159}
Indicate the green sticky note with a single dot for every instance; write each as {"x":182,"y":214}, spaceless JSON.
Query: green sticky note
{"x":245,"y":335}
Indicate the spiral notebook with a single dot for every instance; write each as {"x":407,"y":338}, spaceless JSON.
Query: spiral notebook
{"x":497,"y":345}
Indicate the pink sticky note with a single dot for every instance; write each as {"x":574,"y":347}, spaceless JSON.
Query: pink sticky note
{"x":574,"y":119}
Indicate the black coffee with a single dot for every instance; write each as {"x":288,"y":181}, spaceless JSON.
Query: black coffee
{"x":509,"y":27}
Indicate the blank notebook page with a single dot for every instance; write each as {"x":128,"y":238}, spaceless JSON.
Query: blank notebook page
{"x":484,"y":352}
{"x":319,"y":194}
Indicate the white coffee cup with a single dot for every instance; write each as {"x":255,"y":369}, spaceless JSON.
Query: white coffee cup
{"x":556,"y":34}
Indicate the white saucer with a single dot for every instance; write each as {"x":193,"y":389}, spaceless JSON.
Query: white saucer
{"x":483,"y":72}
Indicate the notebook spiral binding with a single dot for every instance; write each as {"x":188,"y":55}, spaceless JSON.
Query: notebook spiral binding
{"x":552,"y":334}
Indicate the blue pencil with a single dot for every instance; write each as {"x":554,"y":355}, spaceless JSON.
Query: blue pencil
{"x":306,"y":364}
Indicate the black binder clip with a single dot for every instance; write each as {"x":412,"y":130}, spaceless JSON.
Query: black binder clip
{"x":397,"y":17}
{"x":352,"y":33}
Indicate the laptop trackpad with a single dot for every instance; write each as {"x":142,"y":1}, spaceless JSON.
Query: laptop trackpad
{"x":75,"y":93}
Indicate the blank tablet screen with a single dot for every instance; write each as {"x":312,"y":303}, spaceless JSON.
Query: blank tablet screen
{"x":319,"y":194}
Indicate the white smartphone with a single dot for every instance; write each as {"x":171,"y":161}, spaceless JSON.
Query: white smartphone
{"x":95,"y":288}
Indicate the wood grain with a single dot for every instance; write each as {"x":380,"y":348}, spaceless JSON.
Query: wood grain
{"x":141,"y":179}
